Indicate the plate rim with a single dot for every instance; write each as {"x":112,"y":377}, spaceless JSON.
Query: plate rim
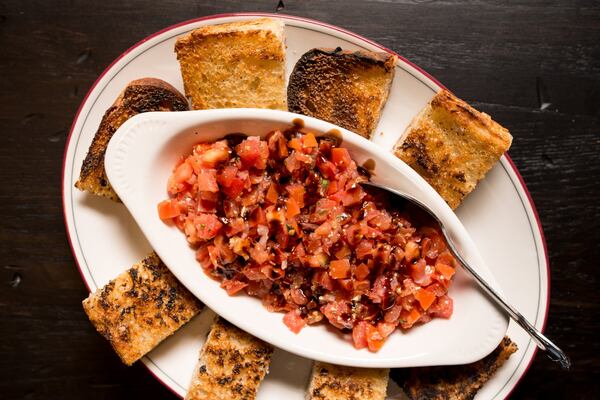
{"x":309,"y":21}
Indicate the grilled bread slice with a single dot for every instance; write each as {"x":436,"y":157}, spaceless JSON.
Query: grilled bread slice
{"x":238,"y":64}
{"x":142,"y":95}
{"x":454,"y":382}
{"x":232,"y":365}
{"x":141,"y":307}
{"x":333,"y":382}
{"x":347,"y":88}
{"x":452,"y":146}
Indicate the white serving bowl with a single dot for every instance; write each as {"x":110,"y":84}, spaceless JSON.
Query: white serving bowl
{"x":139,"y":160}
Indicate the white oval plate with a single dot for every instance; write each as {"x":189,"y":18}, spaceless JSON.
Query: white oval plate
{"x":499,"y":214}
{"x":138,"y":162}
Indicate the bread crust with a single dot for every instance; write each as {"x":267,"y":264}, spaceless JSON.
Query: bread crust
{"x":334,"y":382}
{"x":140,"y":308}
{"x":232,"y":365}
{"x":232,"y":65}
{"x":452,"y":146}
{"x":453,"y":382}
{"x":140,"y":95}
{"x":347,"y":88}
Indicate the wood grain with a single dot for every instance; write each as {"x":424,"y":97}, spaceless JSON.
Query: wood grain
{"x":533,"y":65}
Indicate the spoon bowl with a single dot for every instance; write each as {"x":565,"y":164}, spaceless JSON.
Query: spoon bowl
{"x":552,"y":351}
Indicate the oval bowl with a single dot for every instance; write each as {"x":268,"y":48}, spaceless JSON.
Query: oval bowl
{"x":138,"y":162}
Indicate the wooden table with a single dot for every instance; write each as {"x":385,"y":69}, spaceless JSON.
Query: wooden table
{"x":533,"y":65}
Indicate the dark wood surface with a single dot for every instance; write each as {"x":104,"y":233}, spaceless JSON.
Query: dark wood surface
{"x":508,"y":58}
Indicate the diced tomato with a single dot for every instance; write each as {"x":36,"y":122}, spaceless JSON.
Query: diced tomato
{"x":411,"y":251}
{"x":233,"y":286}
{"x":259,"y":254}
{"x":339,"y":269}
{"x":340,"y":157}
{"x":359,"y":335}
{"x":361,"y":272}
{"x":445,"y":270}
{"x":409,"y":318}
{"x":296,"y":192}
{"x":442,"y":307}
{"x":364,"y":249}
{"x":183,"y":172}
{"x":310,"y":140}
{"x":374,"y":338}
{"x":294,"y":321}
{"x":347,"y":285}
{"x":385,"y":328}
{"x":295,"y":144}
{"x":168,"y":209}
{"x":292,"y":209}
{"x":422,"y":273}
{"x":393,"y":314}
{"x":447,"y":258}
{"x":437,"y":289}
{"x":328,"y":169}
{"x":207,"y":180}
{"x":272,"y":194}
{"x":343,"y":252}
{"x":231,"y":184}
{"x":286,"y":220}
{"x":253,"y":152}
{"x":207,"y":226}
{"x":425,"y":298}
{"x":213,"y":156}
{"x":337,"y":313}
{"x":361,"y":286}
{"x":259,"y":217}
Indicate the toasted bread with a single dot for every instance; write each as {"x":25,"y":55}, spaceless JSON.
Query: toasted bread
{"x":333,"y":382}
{"x":454,"y":382}
{"x":347,"y":88}
{"x":141,"y":307}
{"x":238,"y":64}
{"x":142,"y":95}
{"x":452,"y":146}
{"x":232,"y":365}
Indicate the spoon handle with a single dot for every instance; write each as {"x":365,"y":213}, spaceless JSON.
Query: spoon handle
{"x":553,"y":352}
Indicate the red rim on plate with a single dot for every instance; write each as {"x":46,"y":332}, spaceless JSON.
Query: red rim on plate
{"x":333,"y":27}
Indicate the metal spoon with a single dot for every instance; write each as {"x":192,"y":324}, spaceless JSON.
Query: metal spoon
{"x":552,"y":351}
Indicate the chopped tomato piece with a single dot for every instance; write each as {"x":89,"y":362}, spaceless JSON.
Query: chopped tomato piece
{"x":294,"y":321}
{"x":359,"y":335}
{"x":374,"y":338}
{"x":408,"y":318}
{"x":339,"y":269}
{"x":340,"y":157}
{"x":442,"y":307}
{"x":297,"y":192}
{"x":168,"y":209}
{"x":207,"y":226}
{"x":207,"y":180}
{"x":361,"y":272}
{"x":295,"y":144}
{"x":212,"y":157}
{"x":253,"y":152}
{"x":292,"y":208}
{"x":446,"y":270}
{"x":232,"y":287}
{"x":272,"y":194}
{"x":411,"y":251}
{"x":425,"y":298}
{"x":310,"y":140}
{"x":183,"y":172}
{"x":385,"y":328}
